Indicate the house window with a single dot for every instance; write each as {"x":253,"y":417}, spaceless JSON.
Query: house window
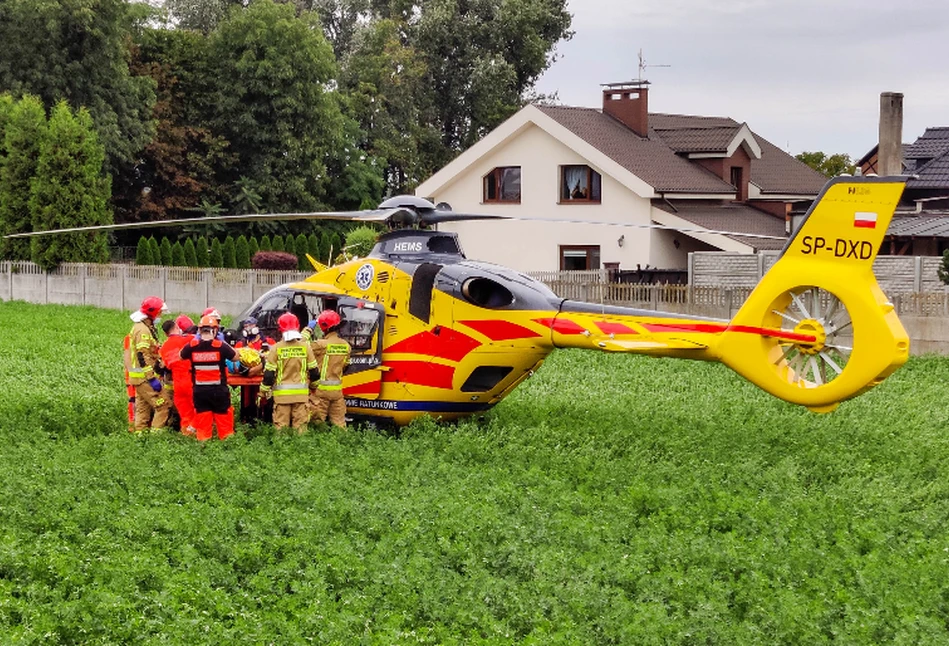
{"x":503,"y":184}
{"x":579,"y":184}
{"x":573,"y":257}
{"x":736,"y":177}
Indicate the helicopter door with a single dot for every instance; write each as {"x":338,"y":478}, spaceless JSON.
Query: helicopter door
{"x":362,"y":328}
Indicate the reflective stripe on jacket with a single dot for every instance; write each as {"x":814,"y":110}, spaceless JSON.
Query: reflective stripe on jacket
{"x":290,"y":361}
{"x":332,"y":355}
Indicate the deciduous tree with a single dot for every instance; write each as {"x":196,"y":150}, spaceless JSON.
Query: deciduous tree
{"x":829,"y":165}
{"x":78,"y":50}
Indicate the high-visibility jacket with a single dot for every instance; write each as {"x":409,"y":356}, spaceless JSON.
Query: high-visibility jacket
{"x":208,"y":362}
{"x":171,"y":356}
{"x":143,"y":352}
{"x":331,"y":354}
{"x":288,"y":371}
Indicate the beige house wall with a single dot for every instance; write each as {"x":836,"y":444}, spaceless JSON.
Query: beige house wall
{"x":532,"y":245}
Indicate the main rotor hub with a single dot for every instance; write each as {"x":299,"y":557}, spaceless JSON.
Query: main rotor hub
{"x":811,"y":327}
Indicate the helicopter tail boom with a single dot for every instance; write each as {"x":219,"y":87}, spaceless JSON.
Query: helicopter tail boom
{"x":816,"y":330}
{"x":822,"y":288}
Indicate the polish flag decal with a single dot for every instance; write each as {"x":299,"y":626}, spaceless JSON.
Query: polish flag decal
{"x":864,"y":220}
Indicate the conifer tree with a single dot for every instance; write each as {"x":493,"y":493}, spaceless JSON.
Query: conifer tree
{"x":326,"y":241}
{"x":300,"y":247}
{"x":70,"y":190}
{"x":242,"y":252}
{"x":228,"y":253}
{"x":165,"y":248}
{"x":177,"y":254}
{"x":277,"y":243}
{"x":201,"y":252}
{"x":24,"y":131}
{"x":252,"y":247}
{"x":265,"y":243}
{"x":313,"y":246}
{"x":156,"y":250}
{"x":216,"y":257}
{"x":191,"y":259}
{"x":143,"y":252}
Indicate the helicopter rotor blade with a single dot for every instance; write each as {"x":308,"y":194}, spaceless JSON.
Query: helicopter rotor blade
{"x":634,"y":225}
{"x":450,"y":216}
{"x":372,"y":215}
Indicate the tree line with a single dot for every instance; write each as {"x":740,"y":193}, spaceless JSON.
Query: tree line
{"x":227,"y":106}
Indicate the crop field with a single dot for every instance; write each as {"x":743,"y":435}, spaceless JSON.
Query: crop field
{"x":609,"y":500}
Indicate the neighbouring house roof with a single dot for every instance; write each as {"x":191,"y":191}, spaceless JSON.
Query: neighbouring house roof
{"x":933,"y":224}
{"x":774,"y":173}
{"x":778,"y":173}
{"x":932,"y":143}
{"x":736,"y":217}
{"x":932,"y":175}
{"x":652,"y":160}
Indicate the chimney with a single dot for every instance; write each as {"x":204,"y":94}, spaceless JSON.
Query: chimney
{"x":890,"y":151}
{"x":628,"y":103}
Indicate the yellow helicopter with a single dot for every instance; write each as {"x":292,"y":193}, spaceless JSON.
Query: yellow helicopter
{"x":435,"y":333}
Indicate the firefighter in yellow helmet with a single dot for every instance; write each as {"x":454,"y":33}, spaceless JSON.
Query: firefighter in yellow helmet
{"x":151,"y":403}
{"x":331,"y":354}
{"x":289,"y":372}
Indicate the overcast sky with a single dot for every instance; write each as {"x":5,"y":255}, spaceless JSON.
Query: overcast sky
{"x":804,"y":74}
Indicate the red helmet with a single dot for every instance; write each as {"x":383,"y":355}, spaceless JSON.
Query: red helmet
{"x":288,"y":322}
{"x":327,"y":320}
{"x":211,"y":311}
{"x":152,"y":307}
{"x":184,"y":323}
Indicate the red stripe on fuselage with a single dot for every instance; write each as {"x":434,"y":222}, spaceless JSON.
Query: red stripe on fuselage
{"x":562,"y":326}
{"x":420,"y":373}
{"x":717,"y":328}
{"x":501,"y":330}
{"x":446,"y":344}
{"x":368,"y":388}
{"x":608,"y":327}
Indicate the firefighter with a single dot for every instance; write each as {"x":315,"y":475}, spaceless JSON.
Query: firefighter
{"x":183,"y":393}
{"x":212,"y":398}
{"x":289,"y":372}
{"x":331,"y":354}
{"x":252,"y":343}
{"x":151,"y":404}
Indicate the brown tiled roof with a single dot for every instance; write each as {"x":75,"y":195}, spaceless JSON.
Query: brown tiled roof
{"x":654,"y":159}
{"x":778,"y":173}
{"x":649,"y":159}
{"x":735,"y":217}
{"x":698,"y":140}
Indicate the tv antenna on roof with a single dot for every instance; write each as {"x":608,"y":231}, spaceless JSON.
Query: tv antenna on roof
{"x":643,"y":65}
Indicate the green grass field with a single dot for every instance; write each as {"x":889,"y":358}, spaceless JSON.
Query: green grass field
{"x":609,"y":500}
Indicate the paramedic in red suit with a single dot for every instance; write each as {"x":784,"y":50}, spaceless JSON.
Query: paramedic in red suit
{"x":212,"y":397}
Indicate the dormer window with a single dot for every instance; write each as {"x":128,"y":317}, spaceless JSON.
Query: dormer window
{"x":579,"y":184}
{"x":503,"y":184}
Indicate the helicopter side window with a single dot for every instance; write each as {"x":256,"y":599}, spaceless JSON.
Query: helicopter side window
{"x":269,"y":310}
{"x":359,"y":327}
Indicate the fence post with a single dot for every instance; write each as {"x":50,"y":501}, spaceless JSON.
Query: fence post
{"x":760,"y":266}
{"x":691,"y":268}
{"x":123,"y":277}
{"x":83,"y":269}
{"x":917,"y":274}
{"x":249,"y":273}
{"x":206,"y":275}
